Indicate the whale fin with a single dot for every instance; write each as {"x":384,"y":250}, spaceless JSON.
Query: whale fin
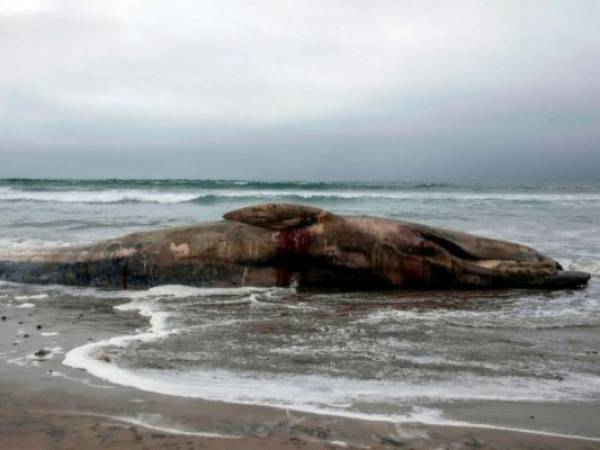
{"x":472,"y":247}
{"x":278,"y":216}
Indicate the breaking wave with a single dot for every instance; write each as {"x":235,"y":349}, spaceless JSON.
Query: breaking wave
{"x":115,"y":196}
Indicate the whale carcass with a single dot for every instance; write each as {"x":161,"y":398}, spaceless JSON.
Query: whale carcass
{"x":280,"y":244}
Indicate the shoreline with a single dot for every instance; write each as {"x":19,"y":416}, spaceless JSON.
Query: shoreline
{"x":40,"y":429}
{"x":56,"y":406}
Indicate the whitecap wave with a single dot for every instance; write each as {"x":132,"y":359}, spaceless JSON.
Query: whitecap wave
{"x":184,"y":196}
{"x":23,"y":244}
{"x":100,"y":196}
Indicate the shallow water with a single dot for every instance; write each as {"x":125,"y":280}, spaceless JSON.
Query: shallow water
{"x":393,"y":356}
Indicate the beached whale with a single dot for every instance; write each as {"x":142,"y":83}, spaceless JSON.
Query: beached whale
{"x":281,"y":244}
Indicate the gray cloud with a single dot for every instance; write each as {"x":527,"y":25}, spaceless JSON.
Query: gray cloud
{"x":312,"y":89}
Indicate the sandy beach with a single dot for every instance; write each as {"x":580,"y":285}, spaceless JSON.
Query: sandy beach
{"x":39,"y":429}
{"x":46,"y":405}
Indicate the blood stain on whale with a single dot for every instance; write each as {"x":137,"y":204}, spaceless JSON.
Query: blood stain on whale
{"x":292,"y":246}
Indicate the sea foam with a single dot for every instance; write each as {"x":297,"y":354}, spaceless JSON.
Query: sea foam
{"x":319,"y":394}
{"x":241,"y":193}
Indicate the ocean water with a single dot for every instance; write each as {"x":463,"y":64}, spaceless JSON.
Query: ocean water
{"x":389,"y":356}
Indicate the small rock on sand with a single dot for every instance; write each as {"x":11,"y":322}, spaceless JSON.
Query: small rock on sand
{"x":42,"y":352}
{"x":103,"y":356}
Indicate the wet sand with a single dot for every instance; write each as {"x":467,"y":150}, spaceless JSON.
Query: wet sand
{"x":26,"y":427}
{"x":45,"y":405}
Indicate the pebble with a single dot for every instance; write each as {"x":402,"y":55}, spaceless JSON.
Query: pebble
{"x":42,"y":352}
{"x":39,"y":327}
{"x":103,"y":356}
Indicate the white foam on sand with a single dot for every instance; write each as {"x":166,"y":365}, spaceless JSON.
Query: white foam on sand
{"x":32,"y":359}
{"x":458,"y":423}
{"x":31,"y":297}
{"x":157,"y":422}
{"x":424,"y":416}
{"x":328,"y":395}
{"x":181,"y":291}
{"x":311,"y":393}
{"x":87,"y":382}
{"x":323,"y":395}
{"x":26,"y":305}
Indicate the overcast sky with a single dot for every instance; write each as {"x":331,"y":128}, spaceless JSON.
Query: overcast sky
{"x":395,"y":90}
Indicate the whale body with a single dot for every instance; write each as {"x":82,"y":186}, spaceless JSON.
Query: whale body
{"x":280,"y":244}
